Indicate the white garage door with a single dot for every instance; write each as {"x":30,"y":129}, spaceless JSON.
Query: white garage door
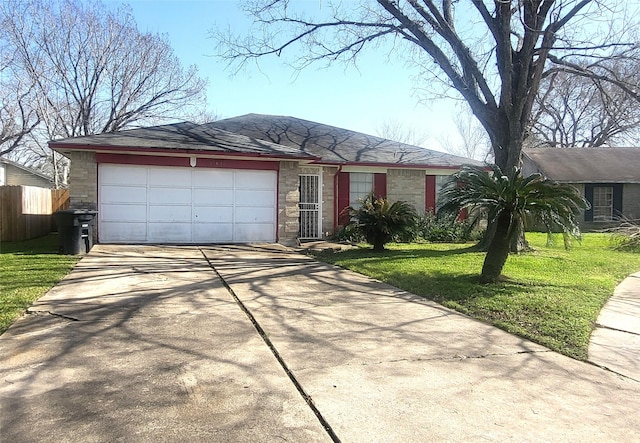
{"x":157,"y":204}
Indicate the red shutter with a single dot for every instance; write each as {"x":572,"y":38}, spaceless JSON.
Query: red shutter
{"x":342,"y":199}
{"x":380,"y":185}
{"x":430,"y":194}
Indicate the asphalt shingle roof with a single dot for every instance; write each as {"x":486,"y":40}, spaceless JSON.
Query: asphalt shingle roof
{"x":269,"y":135}
{"x":587,"y":165}
{"x":335,"y":145}
{"x":183,"y":136}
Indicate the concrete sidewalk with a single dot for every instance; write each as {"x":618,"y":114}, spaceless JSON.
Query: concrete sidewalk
{"x":384,"y":365}
{"x":615,"y":342}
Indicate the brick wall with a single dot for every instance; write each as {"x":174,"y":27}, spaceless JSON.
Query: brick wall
{"x":83,"y":180}
{"x":407,"y":185}
{"x":288,"y":198}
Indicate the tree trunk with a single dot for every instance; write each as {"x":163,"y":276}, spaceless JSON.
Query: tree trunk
{"x":498,"y":250}
{"x":487,"y":238}
{"x":518,"y":244}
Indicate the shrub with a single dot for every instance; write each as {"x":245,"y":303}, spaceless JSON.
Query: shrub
{"x":381,"y":222}
{"x":626,"y":236}
{"x":447,"y":229}
{"x":349,"y":233}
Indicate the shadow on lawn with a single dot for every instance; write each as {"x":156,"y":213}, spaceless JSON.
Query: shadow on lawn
{"x":393,"y":253}
{"x":46,"y":245}
{"x":440,"y":285}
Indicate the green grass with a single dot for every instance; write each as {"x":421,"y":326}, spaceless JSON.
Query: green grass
{"x":28,"y":270}
{"x":552,"y":297}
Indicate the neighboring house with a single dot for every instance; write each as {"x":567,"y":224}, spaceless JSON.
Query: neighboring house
{"x":15,"y":174}
{"x":254,"y":178}
{"x":609,"y":178}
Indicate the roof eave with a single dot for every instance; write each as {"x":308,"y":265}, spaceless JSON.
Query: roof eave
{"x":391,"y":165}
{"x":66,"y":147}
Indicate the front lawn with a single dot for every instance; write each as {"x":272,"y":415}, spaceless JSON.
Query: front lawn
{"x":27,"y":271}
{"x":553,"y":296}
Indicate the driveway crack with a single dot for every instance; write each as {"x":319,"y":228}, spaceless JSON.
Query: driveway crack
{"x":54,"y":314}
{"x":307,"y":398}
{"x":598,"y":325}
{"x":428,"y":359}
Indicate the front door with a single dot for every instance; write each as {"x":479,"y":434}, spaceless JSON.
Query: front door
{"x":310,"y":207}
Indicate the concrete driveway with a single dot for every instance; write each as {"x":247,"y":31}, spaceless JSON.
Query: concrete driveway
{"x":259,"y":344}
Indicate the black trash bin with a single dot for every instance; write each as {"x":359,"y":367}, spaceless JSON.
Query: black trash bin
{"x":75,"y":227}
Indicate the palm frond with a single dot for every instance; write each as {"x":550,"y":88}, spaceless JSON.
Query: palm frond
{"x":554,"y":204}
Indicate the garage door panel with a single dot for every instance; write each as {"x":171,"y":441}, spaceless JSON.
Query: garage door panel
{"x":123,"y":213}
{"x":124,"y":232}
{"x":215,"y":214}
{"x":256,"y":198}
{"x":213,"y":178}
{"x":169,"y":232}
{"x":254,"y":215}
{"x":169,"y":176}
{"x":169,"y":195}
{"x":123,"y":194}
{"x":213,"y":232}
{"x":255,"y":232}
{"x":119,"y":174}
{"x":167,"y":213}
{"x":255,"y":180}
{"x":219,"y":197}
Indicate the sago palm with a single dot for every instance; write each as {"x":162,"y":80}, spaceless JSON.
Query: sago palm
{"x":380,"y":221}
{"x":508,"y":199}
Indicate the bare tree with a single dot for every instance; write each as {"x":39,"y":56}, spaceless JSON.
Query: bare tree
{"x":92,"y":70}
{"x":17,"y":118}
{"x":578,"y":111}
{"x":471,"y":139}
{"x":398,"y":131}
{"x":493,"y":54}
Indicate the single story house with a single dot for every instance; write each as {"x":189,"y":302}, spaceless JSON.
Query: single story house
{"x":253,"y":178}
{"x":609,"y":178}
{"x":15,"y":174}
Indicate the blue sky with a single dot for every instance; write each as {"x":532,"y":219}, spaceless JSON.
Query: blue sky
{"x":361,"y":100}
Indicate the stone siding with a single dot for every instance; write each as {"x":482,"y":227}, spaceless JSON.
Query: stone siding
{"x":83,"y":180}
{"x":288,"y":199}
{"x":407,"y":185}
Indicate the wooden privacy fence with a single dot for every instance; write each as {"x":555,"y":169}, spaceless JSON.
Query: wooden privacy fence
{"x":26,"y":211}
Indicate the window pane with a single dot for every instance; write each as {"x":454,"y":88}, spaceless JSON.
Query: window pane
{"x":360,"y":185}
{"x":602,"y":203}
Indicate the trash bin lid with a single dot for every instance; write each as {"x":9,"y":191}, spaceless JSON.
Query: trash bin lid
{"x":71,"y":216}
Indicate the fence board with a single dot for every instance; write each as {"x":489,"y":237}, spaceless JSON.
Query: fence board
{"x":59,"y":199}
{"x":25,"y":211}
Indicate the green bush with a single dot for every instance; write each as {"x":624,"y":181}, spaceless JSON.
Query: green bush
{"x":447,"y":229}
{"x":349,"y":233}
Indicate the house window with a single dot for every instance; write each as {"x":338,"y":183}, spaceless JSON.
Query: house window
{"x":360,"y":185}
{"x":602,"y":203}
